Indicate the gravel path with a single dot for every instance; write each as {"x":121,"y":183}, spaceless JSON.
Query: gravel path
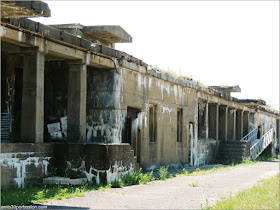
{"x":175,"y":193}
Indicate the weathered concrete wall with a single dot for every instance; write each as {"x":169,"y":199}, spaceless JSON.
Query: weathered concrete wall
{"x":99,"y":163}
{"x":207,"y":151}
{"x":24,"y":164}
{"x":104,"y":121}
{"x":139,"y":91}
{"x":27,"y":164}
{"x":265,"y":122}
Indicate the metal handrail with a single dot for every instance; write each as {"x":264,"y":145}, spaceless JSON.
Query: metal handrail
{"x":252,"y":136}
{"x":260,"y":145}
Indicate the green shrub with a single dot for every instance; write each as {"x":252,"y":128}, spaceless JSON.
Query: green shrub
{"x":131,"y":179}
{"x":117,"y":184}
{"x":148,"y":177}
{"x":163,"y":173}
{"x":137,"y":178}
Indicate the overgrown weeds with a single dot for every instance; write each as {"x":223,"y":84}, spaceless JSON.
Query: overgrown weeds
{"x":163,"y":173}
{"x":138,"y":178}
{"x":36,"y":194}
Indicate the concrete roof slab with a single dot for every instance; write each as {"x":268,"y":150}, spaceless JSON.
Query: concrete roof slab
{"x":24,"y":9}
{"x":110,"y":33}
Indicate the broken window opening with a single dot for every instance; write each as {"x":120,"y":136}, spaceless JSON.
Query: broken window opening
{"x":179,"y":124}
{"x":152,"y":123}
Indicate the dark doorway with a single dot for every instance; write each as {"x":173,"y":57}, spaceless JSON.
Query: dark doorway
{"x":259,"y":132}
{"x":18,"y":103}
{"x":132,"y":133}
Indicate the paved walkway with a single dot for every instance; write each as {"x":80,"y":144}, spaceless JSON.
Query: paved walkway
{"x":175,"y":193}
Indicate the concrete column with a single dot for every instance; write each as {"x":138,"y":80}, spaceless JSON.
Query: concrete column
{"x":226,"y":123}
{"x":217,"y":122}
{"x":241,"y":124}
{"x":76,"y":110}
{"x":234,"y":124}
{"x":206,"y":121}
{"x":32,"y":117}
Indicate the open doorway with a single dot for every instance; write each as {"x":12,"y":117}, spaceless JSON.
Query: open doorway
{"x":132,"y":133}
{"x":259,"y":132}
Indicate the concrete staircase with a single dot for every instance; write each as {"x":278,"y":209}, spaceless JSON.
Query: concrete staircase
{"x":233,"y":151}
{"x":133,"y":158}
{"x":248,"y":147}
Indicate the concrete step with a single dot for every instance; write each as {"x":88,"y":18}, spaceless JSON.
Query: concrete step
{"x":232,"y":149}
{"x":231,"y":153}
{"x":229,"y":160}
{"x":232,"y":145}
{"x":228,"y":157}
{"x":233,"y":142}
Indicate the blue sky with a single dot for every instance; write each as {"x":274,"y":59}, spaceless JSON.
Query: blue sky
{"x":214,"y":42}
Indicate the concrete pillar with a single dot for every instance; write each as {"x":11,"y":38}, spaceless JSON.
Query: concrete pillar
{"x":206,"y":121}
{"x":234,"y":124}
{"x":76,"y":110}
{"x":32,"y":117}
{"x":217,"y":122}
{"x":241,"y":125}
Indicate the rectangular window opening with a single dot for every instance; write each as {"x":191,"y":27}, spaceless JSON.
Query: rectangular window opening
{"x":152,"y":123}
{"x":179,"y":125}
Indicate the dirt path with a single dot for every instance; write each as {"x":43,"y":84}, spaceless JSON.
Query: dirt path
{"x":175,"y":193}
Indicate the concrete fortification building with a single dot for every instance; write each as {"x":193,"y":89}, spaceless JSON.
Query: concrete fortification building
{"x":73,"y":105}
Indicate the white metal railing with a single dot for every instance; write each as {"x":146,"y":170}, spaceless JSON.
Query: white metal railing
{"x":261,"y":144}
{"x":252,"y":136}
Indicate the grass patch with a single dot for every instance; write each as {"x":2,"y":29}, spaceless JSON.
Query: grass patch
{"x":33,"y":195}
{"x":262,"y":196}
{"x":194,"y":184}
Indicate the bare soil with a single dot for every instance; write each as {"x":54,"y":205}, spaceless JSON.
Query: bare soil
{"x":174,"y":193}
